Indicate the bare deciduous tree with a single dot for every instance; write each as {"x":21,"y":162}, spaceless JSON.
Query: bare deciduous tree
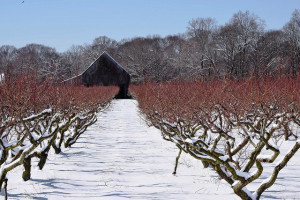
{"x":292,"y":29}
{"x":237,"y":39}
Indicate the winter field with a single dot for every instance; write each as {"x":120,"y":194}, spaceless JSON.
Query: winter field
{"x":120,"y":157}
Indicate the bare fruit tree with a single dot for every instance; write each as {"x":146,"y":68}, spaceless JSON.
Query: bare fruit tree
{"x":233,"y":127}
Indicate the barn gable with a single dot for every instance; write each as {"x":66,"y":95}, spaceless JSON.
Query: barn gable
{"x":104,"y":71}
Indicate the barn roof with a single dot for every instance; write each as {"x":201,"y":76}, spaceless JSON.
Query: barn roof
{"x":104,"y":55}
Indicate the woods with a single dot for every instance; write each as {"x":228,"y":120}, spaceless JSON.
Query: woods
{"x":236,"y":49}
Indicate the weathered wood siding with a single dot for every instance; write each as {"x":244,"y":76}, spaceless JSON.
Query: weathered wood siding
{"x":104,"y":71}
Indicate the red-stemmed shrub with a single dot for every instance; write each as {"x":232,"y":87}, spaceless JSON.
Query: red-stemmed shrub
{"x":233,"y":126}
{"x":37,"y":115}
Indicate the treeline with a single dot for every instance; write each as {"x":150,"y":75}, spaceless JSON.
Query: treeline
{"x":240,"y":48}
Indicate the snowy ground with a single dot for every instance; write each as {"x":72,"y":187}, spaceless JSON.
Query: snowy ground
{"x":1,"y":77}
{"x":119,"y":157}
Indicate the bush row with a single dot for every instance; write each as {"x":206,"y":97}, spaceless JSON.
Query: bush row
{"x":37,"y":116}
{"x":232,"y":126}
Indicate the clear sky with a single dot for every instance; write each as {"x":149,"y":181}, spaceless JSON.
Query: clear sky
{"x":61,"y":23}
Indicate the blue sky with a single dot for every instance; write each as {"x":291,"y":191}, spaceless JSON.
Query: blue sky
{"x":61,"y":23}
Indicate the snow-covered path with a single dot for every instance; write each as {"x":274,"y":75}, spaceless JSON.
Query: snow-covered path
{"x":119,"y":157}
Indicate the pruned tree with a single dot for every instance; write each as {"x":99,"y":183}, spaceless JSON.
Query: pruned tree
{"x":36,"y":116}
{"x":233,"y":127}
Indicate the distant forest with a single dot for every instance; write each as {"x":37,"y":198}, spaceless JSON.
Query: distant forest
{"x":240,"y":48}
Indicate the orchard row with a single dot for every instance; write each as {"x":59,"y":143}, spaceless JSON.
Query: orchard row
{"x":235,"y":127}
{"x":37,"y":116}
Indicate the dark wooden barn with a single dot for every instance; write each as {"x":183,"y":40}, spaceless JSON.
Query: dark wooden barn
{"x":104,"y":71}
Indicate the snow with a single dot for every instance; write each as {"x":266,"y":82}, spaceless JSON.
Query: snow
{"x":288,"y":181}
{"x":1,"y":77}
{"x":188,"y":140}
{"x":242,"y":174}
{"x":235,"y":183}
{"x":191,"y":140}
{"x":120,"y":157}
{"x":264,"y":156}
{"x":46,"y":111}
{"x":249,"y":193}
{"x":224,"y":158}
